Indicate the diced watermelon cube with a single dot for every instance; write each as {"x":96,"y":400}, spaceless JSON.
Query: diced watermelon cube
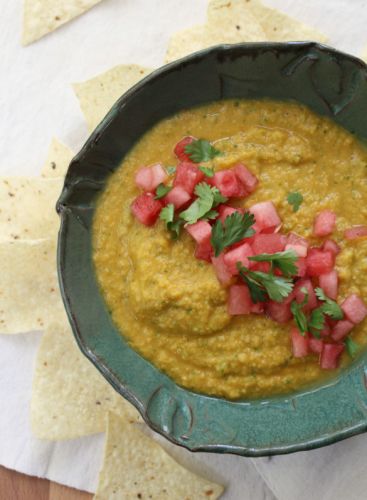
{"x":316,"y":345}
{"x":221,"y":270}
{"x":224,"y":211}
{"x":148,"y":178}
{"x":177,"y":196}
{"x":300,"y":343}
{"x":329,"y":283}
{"x":239,"y":300}
{"x":266,"y":215}
{"x":268,"y":243}
{"x":331,"y":246}
{"x":324,"y":223}
{"x":146,"y":209}
{"x":298,"y":244}
{"x":279,"y":311}
{"x":247,"y":178}
{"x":325,"y":332}
{"x":204,"y":251}
{"x":299,"y":295}
{"x":187,"y":176}
{"x":179,"y":149}
{"x":341,"y":329}
{"x":330,"y":355}
{"x":263,"y":267}
{"x":354,"y":308}
{"x":201,"y":231}
{"x":228,"y":184}
{"x":238,"y":254}
{"x":301,"y":267}
{"x":319,"y":262}
{"x":355,"y":232}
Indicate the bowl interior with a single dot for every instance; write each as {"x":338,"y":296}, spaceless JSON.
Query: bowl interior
{"x":331,"y":84}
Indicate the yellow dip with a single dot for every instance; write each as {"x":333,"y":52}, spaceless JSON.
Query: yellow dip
{"x":170,"y":305}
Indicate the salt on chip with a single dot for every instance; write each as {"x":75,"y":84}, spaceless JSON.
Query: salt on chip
{"x":135,"y":466}
{"x":41,"y":17}
{"x":29,"y":291}
{"x":278,"y":27}
{"x":27,"y":207}
{"x":58,"y":159}
{"x":70,"y":398}
{"x":96,"y":96}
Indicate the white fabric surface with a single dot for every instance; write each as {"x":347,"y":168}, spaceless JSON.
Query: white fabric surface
{"x":36,"y":103}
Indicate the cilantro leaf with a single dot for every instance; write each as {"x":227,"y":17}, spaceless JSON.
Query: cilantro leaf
{"x":212,"y":214}
{"x":299,"y":317}
{"x":330,"y":307}
{"x":256,"y":292}
{"x":161,"y":191}
{"x":171,"y":169}
{"x":235,"y":227}
{"x":201,"y":208}
{"x":352,"y":347}
{"x":285,"y":261}
{"x":316,"y":322}
{"x":201,"y":151}
{"x":277,"y":287}
{"x":209,"y":172}
{"x":295,"y":199}
{"x":167,"y":215}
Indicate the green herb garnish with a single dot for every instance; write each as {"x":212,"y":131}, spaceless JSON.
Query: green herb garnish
{"x":235,"y":227}
{"x":161,"y":191}
{"x":171,"y":169}
{"x":298,"y":315}
{"x":201,"y":151}
{"x":277,"y":287}
{"x":209,"y":172}
{"x":295,"y":199}
{"x":351,"y":346}
{"x":285,"y":261}
{"x":167,"y":215}
{"x":201,"y":208}
{"x":316,"y":322}
{"x":330,"y":307}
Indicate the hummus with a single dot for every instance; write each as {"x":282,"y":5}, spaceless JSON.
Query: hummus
{"x":169,"y":305}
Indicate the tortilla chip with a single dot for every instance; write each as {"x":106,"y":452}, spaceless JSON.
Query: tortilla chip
{"x":58,"y":159}
{"x":135,"y":466}
{"x":96,"y":96}
{"x":200,"y":37}
{"x":27,"y":207}
{"x":29,"y":291}
{"x":278,"y":27}
{"x":70,"y":397}
{"x":41,"y":17}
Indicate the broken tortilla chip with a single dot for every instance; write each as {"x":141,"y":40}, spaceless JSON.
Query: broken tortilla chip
{"x":29,"y":290}
{"x":135,"y":466}
{"x":58,"y":159}
{"x":27,"y":207}
{"x":41,"y":17}
{"x":279,"y":27}
{"x":70,"y":398}
{"x":96,"y":96}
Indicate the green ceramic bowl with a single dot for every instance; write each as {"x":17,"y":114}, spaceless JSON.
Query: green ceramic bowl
{"x":331,"y":84}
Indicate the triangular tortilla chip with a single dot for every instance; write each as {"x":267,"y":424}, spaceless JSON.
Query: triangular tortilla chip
{"x":96,"y":96}
{"x":29,"y":290}
{"x":135,"y":466}
{"x":70,"y":397}
{"x":27,"y":207}
{"x":279,"y":27}
{"x":58,"y":159}
{"x":40,"y":17}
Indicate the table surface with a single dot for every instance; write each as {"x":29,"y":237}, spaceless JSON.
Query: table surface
{"x":16,"y":486}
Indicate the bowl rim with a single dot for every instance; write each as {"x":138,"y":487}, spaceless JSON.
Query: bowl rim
{"x":63,"y":210}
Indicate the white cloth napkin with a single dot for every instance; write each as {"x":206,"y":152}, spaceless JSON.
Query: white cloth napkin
{"x":37,"y":102}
